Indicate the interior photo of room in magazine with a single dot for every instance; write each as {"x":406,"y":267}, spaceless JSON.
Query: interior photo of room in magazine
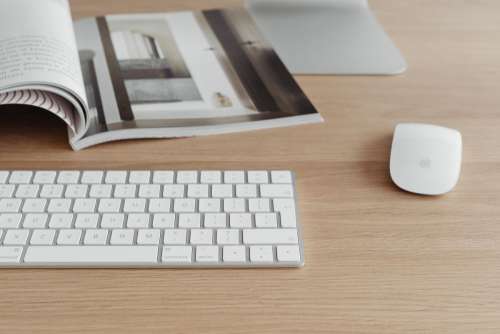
{"x":183,"y":69}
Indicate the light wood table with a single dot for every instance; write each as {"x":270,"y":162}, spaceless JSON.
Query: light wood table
{"x":377,"y":260}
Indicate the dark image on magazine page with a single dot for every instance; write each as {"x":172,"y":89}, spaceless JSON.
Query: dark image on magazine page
{"x":191,"y":69}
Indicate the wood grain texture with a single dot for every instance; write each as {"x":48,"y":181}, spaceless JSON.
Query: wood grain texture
{"x":377,"y":260}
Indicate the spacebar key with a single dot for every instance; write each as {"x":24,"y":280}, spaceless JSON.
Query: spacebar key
{"x":91,"y":254}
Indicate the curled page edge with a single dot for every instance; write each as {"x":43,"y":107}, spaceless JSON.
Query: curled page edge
{"x":45,"y":100}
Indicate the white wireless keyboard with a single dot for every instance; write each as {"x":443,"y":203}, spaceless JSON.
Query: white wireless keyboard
{"x":148,"y":219}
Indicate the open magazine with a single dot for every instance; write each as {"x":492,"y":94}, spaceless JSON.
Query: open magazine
{"x":145,"y":75}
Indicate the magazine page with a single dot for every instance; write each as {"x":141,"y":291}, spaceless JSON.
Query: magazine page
{"x":39,"y":56}
{"x":183,"y":74}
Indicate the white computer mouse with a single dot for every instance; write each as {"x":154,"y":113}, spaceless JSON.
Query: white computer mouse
{"x":425,"y":158}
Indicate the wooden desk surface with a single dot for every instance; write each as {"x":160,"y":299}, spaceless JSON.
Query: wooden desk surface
{"x":377,"y":260}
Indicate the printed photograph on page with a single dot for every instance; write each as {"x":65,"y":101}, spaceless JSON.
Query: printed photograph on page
{"x":182,"y":69}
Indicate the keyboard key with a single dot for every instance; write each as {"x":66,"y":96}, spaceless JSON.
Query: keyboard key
{"x":276,"y":190}
{"x":288,"y":253}
{"x":95,"y":237}
{"x":51,"y":190}
{"x":139,"y":176}
{"x":209,"y":205}
{"x":211,"y":177}
{"x":259,"y":205}
{"x":281,"y":176}
{"x":201,"y":237}
{"x":164,"y":220}
{"x":69,"y":237}
{"x":134,"y":205}
{"x":138,"y":220}
{"x":10,"y":220}
{"x":148,"y":237}
{"x":234,"y":205}
{"x":122,"y":237}
{"x":197,"y":190}
{"x":222,"y":190}
{"x":159,"y":205}
{"x":207,"y":253}
{"x":213,"y":220}
{"x":283,"y":204}
{"x":10,"y":254}
{"x":34,"y":205}
{"x":42,"y":237}
{"x":100,"y":191}
{"x":149,"y":191}
{"x":266,"y":220}
{"x":10,"y":205}
{"x":76,"y":191}
{"x":125,"y":190}
{"x":270,"y":236}
{"x":61,"y":220}
{"x":288,"y":219}
{"x":286,"y":208}
{"x":239,"y":220}
{"x":35,"y":220}
{"x":258,"y":176}
{"x":16,"y":237}
{"x":189,"y":220}
{"x":112,"y":220}
{"x":109,"y":205}
{"x":175,"y":237}
{"x":20,"y":177}
{"x":87,"y":220}
{"x":176,"y":254}
{"x":27,"y":190}
{"x":116,"y":177}
{"x":234,"y":176}
{"x":184,"y":205}
{"x":92,"y":177}
{"x":6,"y":190}
{"x":44,"y":177}
{"x":246,"y":190}
{"x":235,"y":254}
{"x":173,"y":191}
{"x":84,"y":205}
{"x":261,"y":254}
{"x":92,"y":254}
{"x":228,"y":236}
{"x":68,"y":177}
{"x":186,"y":176}
{"x":59,"y":205}
{"x":162,"y":177}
